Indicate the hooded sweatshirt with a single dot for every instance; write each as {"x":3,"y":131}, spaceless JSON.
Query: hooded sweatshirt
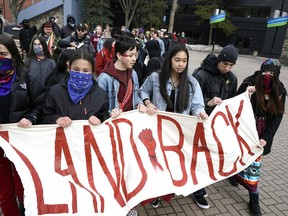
{"x":213,"y":83}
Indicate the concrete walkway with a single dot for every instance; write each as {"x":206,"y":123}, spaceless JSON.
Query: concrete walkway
{"x":227,"y":200}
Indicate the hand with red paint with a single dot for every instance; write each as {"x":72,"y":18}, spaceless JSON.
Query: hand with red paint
{"x":148,"y":140}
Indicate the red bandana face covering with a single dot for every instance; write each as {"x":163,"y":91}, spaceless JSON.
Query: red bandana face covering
{"x":267,"y":83}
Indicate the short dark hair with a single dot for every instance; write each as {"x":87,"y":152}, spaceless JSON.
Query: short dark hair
{"x":124,"y":43}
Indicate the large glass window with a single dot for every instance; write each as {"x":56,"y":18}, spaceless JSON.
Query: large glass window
{"x":260,"y":12}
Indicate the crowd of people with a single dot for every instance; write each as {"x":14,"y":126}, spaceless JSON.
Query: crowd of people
{"x":73,"y":73}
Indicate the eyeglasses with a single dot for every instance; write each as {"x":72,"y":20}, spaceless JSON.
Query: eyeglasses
{"x":130,"y":55}
{"x":81,"y":30}
{"x":228,"y":64}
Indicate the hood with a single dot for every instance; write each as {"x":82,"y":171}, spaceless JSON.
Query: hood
{"x":70,"y":16}
{"x":2,"y":25}
{"x":153,"y":48}
{"x":111,"y":70}
{"x":210,"y":64}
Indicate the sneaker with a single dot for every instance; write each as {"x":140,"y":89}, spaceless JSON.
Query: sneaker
{"x":205,"y":193}
{"x":133,"y":212}
{"x":233,"y":181}
{"x":201,"y":202}
{"x":254,"y":205}
{"x":155,"y":203}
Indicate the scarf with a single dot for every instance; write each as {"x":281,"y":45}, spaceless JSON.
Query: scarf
{"x":267,"y":83}
{"x":7,"y":76}
{"x":79,"y":85}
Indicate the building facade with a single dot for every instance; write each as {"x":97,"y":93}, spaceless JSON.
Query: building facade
{"x":250,"y":17}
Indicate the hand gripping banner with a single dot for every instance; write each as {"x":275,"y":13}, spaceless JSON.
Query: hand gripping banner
{"x":110,"y":168}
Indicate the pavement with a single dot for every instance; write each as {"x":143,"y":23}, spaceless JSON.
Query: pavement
{"x":224,"y":199}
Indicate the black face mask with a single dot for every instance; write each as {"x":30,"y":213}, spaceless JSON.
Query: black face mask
{"x":71,"y":21}
{"x":25,"y":25}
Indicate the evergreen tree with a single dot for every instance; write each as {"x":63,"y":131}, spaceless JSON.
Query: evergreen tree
{"x":205,"y":10}
{"x":97,"y":12}
{"x":150,"y":13}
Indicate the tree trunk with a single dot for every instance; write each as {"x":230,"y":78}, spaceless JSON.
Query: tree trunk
{"x":172,"y":15}
{"x":210,"y":35}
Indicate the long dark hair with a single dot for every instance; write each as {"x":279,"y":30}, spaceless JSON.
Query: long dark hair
{"x":31,"y":53}
{"x":274,"y":105}
{"x":183,"y":92}
{"x":9,"y":43}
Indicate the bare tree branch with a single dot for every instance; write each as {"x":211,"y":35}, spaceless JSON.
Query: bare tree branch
{"x":15,"y":7}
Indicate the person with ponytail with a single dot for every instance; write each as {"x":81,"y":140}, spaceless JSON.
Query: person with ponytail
{"x":268,"y":102}
{"x":21,"y":97}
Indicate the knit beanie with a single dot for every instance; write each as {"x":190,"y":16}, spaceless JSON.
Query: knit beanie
{"x":228,"y":54}
{"x":271,"y":65}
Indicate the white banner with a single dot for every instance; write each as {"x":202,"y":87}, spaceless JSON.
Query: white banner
{"x":110,"y":168}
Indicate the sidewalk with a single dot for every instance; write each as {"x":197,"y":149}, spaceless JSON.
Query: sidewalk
{"x":227,"y":200}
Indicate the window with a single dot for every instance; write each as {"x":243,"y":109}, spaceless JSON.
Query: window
{"x":259,"y":12}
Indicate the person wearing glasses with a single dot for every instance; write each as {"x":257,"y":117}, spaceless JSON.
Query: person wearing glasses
{"x":218,"y":83}
{"x":78,"y":40}
{"x":74,"y":97}
{"x":120,"y":82}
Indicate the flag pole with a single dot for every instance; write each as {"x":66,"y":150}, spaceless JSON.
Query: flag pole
{"x":273,"y":42}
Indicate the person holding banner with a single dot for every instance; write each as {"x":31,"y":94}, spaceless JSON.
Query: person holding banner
{"x":21,"y":97}
{"x":218,"y":83}
{"x":268,"y":104}
{"x":173,"y":90}
{"x":120,"y":82}
{"x":77,"y":97}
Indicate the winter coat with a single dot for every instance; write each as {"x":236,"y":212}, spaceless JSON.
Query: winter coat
{"x":40,"y":69}
{"x":26,"y":97}
{"x":67,"y":29}
{"x":82,"y":44}
{"x":272,"y":122}
{"x":213,"y":83}
{"x":59,"y":104}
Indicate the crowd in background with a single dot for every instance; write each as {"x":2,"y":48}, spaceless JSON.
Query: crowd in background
{"x":69,"y":73}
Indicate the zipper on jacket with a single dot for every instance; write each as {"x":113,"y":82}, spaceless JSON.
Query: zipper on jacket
{"x":85,"y":110}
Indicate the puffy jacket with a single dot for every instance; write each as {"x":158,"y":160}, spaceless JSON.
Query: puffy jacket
{"x":213,"y":83}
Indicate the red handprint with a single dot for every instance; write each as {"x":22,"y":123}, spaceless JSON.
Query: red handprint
{"x":147,"y":139}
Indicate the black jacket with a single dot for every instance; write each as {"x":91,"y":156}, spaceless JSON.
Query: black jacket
{"x":25,"y":38}
{"x":213,"y":83}
{"x":59,"y":104}
{"x":272,"y":122}
{"x":26,"y":97}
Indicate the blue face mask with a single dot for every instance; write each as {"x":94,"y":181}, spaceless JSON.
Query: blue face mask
{"x":38,"y":50}
{"x":79,"y":85}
